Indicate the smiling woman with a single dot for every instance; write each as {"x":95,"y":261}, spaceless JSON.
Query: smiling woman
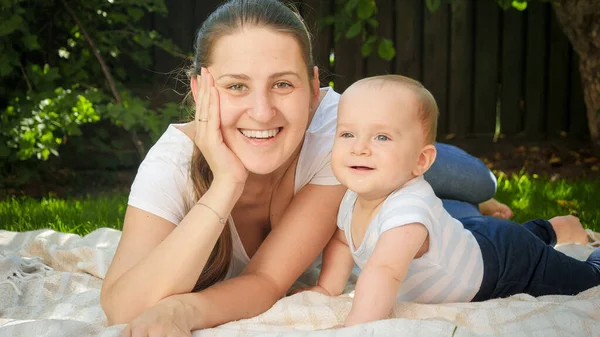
{"x":228,"y":210}
{"x":256,"y":154}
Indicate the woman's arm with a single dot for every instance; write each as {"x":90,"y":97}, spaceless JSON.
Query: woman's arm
{"x":380,"y":280}
{"x":156,"y":259}
{"x":288,"y":250}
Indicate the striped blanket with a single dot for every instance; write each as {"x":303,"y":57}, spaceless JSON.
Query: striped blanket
{"x":51,"y":282}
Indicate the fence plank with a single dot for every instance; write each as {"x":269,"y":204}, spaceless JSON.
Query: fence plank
{"x":535,"y":73}
{"x":375,"y":64}
{"x":409,"y":37}
{"x":578,"y":126}
{"x":203,"y":10}
{"x":322,"y":35}
{"x":558,"y":80}
{"x":486,"y":66}
{"x":349,"y":64}
{"x":513,"y":59}
{"x":435,"y":60}
{"x":460,"y":106}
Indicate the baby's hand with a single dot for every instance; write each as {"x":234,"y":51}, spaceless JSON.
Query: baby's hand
{"x":316,"y":288}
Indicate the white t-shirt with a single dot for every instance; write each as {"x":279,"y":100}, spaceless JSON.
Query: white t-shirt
{"x":164,"y":188}
{"x":450,"y":271}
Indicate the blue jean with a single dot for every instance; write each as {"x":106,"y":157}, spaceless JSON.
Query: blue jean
{"x":460,"y":180}
{"x":521,"y":259}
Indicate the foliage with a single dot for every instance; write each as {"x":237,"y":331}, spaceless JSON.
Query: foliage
{"x":520,"y":5}
{"x":358,"y":18}
{"x":53,"y":83}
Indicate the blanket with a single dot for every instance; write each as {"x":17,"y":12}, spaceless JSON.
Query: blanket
{"x":50,"y":286}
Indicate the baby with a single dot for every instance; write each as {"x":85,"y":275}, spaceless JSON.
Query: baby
{"x":392,"y":225}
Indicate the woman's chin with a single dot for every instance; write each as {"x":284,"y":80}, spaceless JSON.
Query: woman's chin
{"x":261,"y":167}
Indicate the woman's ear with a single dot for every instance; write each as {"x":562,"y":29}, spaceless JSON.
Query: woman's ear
{"x":426,"y":159}
{"x":315,"y":83}
{"x":194,"y":83}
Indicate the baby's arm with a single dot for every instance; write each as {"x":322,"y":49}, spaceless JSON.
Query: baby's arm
{"x":336,"y":267}
{"x":380,"y":280}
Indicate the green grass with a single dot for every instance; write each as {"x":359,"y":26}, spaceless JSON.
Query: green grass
{"x":78,"y":215}
{"x":529,"y":197}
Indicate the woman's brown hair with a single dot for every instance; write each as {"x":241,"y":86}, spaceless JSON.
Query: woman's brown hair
{"x":230,"y":18}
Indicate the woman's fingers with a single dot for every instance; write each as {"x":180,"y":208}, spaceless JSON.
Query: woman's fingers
{"x":214,"y":116}
{"x":199,"y":88}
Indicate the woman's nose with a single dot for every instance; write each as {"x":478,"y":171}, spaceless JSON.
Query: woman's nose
{"x":262,"y":109}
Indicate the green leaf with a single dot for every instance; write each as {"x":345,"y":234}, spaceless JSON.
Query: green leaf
{"x":30,"y":41}
{"x":505,"y":4}
{"x":354,"y":30}
{"x":519,"y":5}
{"x":136,"y":13}
{"x":366,"y":49}
{"x":371,"y":39}
{"x":365,"y":9}
{"x":386,"y":49}
{"x":433,"y":5}
{"x":373,"y":22}
{"x":10,"y":25}
{"x":350,"y":6}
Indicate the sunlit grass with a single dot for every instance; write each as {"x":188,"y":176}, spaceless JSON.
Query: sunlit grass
{"x":529,"y":196}
{"x":532,"y":197}
{"x":77,"y":215}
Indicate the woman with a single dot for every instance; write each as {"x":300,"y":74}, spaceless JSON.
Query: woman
{"x":227,"y":211}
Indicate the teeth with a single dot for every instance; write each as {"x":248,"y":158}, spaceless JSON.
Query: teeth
{"x":260,"y":133}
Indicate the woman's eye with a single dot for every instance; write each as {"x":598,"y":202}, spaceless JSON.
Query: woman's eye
{"x":282,"y":85}
{"x":382,"y":137}
{"x":237,"y":87}
{"x":346,"y":135}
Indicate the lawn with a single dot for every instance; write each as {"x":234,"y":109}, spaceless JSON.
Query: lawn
{"x":76,"y":215}
{"x":528,"y":195}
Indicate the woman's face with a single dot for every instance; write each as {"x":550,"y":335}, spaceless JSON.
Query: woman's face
{"x":265,"y":96}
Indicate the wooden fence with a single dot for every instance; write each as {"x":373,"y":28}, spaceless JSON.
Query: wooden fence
{"x":490,"y":70}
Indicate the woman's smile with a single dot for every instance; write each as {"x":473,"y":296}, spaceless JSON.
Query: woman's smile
{"x":261,"y":137}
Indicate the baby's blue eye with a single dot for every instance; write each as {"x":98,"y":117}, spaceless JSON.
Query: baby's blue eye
{"x":346,"y":135}
{"x":382,"y":137}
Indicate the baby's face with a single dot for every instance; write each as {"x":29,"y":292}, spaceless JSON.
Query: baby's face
{"x":378,"y":141}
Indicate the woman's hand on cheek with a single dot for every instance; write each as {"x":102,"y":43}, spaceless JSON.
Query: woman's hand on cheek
{"x":224,"y":164}
{"x":167,"y":318}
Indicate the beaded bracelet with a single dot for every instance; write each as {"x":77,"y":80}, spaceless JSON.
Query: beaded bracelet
{"x":221,"y":220}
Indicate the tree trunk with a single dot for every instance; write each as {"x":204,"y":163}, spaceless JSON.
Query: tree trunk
{"x":580,"y":20}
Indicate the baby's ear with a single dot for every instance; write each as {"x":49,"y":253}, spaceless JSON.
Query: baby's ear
{"x":426,"y":159}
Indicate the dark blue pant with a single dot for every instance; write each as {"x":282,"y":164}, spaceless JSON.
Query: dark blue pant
{"x":521,"y":259}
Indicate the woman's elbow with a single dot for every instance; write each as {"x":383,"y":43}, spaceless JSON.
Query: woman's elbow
{"x":113,"y":309}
